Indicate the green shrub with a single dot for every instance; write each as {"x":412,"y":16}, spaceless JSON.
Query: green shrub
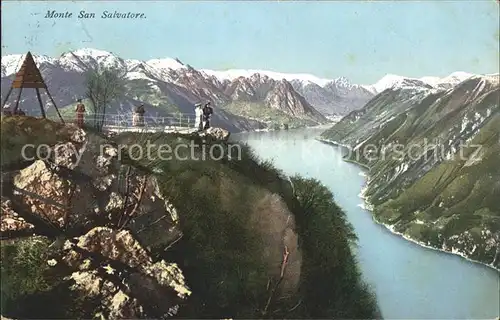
{"x":29,"y":287}
{"x":24,"y":265}
{"x":331,"y":284}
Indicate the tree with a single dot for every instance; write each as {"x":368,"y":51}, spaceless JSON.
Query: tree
{"x":104,"y":85}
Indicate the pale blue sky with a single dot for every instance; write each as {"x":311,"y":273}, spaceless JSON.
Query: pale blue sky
{"x":362,"y":40}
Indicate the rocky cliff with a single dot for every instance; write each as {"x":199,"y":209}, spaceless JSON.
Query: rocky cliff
{"x":102,"y":217}
{"x":107,"y":221}
{"x":96,"y":228}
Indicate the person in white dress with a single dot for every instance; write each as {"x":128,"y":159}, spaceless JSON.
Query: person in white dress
{"x":198,"y":112}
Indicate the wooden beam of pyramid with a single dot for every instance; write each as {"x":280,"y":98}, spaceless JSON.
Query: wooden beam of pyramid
{"x":28,"y":76}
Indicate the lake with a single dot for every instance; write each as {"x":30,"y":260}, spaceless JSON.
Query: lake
{"x":410,"y":281}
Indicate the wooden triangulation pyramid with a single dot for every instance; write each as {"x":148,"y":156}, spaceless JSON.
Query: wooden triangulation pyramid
{"x":29,"y":76}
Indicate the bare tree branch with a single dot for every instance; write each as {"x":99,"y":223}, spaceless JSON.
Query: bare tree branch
{"x":104,"y":85}
{"x":139,"y":199}
{"x":286,"y":253}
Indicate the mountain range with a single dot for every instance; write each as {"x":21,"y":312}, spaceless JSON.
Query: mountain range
{"x":433,"y":158}
{"x":245,"y":99}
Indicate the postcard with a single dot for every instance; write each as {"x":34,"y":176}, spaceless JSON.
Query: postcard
{"x":250,"y":159}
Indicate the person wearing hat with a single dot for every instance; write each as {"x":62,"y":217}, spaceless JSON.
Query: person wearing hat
{"x":207,"y":113}
{"x":80,"y":112}
{"x":198,"y":113}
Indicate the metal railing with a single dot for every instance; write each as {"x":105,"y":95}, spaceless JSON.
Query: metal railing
{"x":125,"y":122}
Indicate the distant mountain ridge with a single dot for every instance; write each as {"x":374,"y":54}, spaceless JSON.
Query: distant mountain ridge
{"x":328,"y":96}
{"x":395,"y":81}
{"x":168,"y":85}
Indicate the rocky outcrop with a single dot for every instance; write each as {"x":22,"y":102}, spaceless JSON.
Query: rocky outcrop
{"x":112,"y":266}
{"x":114,"y":220}
{"x":285,"y":98}
{"x":280,"y":240}
{"x":274,"y":94}
{"x":215,"y":134}
{"x":83,"y":183}
{"x":115,"y":229}
{"x":11,"y":222}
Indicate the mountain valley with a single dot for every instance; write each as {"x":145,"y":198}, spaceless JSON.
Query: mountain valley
{"x":432,"y":156}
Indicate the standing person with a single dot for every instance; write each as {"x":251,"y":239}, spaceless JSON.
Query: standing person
{"x":207,"y":113}
{"x":139,"y":116}
{"x":80,"y":111}
{"x":198,"y":121}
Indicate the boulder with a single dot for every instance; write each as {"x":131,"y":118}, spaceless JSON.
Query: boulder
{"x":11,"y":222}
{"x":83,"y":183}
{"x":117,"y":212}
{"x":47,"y":193}
{"x":277,"y":226}
{"x":113,"y":267}
{"x":215,"y":134}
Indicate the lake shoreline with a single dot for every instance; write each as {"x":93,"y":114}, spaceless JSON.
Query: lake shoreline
{"x":318,"y":126}
{"x":366,"y":205}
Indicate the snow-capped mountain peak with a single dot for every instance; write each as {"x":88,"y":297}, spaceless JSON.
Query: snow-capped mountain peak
{"x":95,"y":53}
{"x":330,"y":96}
{"x":456,"y":77}
{"x":393,"y":81}
{"x":11,"y":63}
{"x":232,"y":74}
{"x":166,"y":63}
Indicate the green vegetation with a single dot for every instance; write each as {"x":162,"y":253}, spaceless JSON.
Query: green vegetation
{"x":462,"y":195}
{"x":26,"y":271}
{"x":17,"y":132}
{"x":221,"y":251}
{"x":273,"y":117}
{"x":331,"y":282}
{"x":31,"y":288}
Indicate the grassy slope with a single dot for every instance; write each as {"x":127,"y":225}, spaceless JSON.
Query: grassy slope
{"x":457,"y":195}
{"x":17,"y":132}
{"x":440,"y":203}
